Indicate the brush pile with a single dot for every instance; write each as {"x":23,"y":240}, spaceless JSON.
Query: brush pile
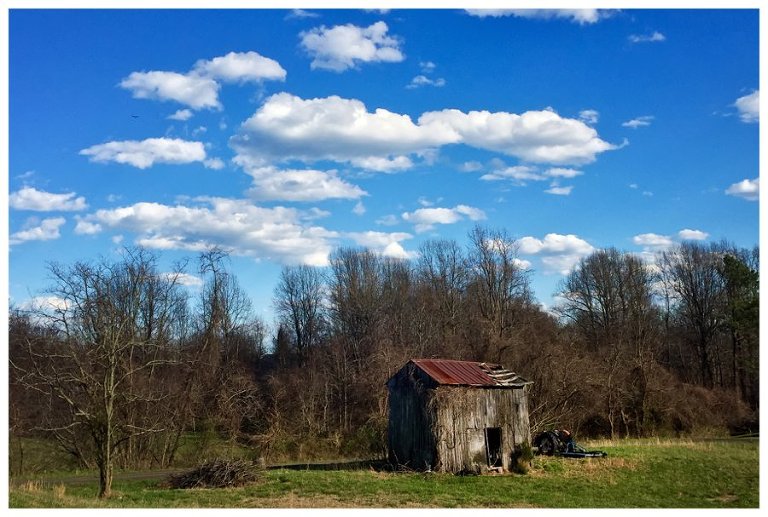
{"x":216,"y":474}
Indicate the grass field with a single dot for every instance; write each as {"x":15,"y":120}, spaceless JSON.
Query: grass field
{"x":636,"y":474}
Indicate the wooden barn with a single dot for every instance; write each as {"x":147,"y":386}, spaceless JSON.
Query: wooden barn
{"x":457,"y":416}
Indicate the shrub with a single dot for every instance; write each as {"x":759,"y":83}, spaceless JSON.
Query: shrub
{"x":369,"y":440}
{"x":521,"y":459}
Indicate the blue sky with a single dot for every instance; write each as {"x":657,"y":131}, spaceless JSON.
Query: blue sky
{"x":281,"y":135}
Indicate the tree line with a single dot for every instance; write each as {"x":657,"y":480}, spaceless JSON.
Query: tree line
{"x":126,"y":362}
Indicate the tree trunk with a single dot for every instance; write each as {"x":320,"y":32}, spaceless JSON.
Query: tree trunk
{"x":734,"y":364}
{"x":706,"y":371}
{"x":105,"y":457}
{"x":105,"y":482}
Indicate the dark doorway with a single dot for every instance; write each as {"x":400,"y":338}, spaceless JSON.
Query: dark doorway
{"x":493,"y":446}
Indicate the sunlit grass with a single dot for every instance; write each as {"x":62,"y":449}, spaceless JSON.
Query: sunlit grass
{"x":636,"y":474}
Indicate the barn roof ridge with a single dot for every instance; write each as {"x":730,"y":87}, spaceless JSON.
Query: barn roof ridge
{"x":452,"y":372}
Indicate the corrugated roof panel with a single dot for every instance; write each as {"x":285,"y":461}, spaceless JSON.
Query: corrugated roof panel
{"x":469,"y":373}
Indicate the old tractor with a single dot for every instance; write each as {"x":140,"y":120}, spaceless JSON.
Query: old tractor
{"x":560,"y":442}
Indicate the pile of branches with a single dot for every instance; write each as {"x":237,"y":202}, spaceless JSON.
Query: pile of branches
{"x":216,"y":474}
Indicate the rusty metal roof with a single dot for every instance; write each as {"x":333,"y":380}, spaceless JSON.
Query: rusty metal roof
{"x":469,"y":373}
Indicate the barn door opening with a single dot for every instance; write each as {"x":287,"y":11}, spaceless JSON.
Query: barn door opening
{"x":493,"y":446}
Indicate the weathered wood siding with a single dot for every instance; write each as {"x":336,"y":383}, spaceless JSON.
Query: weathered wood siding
{"x":462,"y":416}
{"x":410,"y":439}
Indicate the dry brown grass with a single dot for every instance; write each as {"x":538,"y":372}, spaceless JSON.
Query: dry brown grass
{"x":32,"y":485}
{"x":604,"y":470}
{"x":651,"y":442}
{"x":294,"y":500}
{"x":59,"y":491}
{"x":726,"y":498}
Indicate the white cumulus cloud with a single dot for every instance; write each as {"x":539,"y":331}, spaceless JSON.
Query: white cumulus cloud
{"x":425,"y":219}
{"x":45,"y":304}
{"x":559,"y":191}
{"x":589,"y":116}
{"x":300,"y":14}
{"x":534,"y":136}
{"x":47,"y":229}
{"x":359,"y":208}
{"x":520,"y":174}
{"x":383,"y":243}
{"x":580,"y":16}
{"x":194,"y":91}
{"x":87,"y":228}
{"x":554,"y":243}
{"x":145,"y":153}
{"x":749,"y":107}
{"x":692,"y":235}
{"x":471,"y":166}
{"x":199,"y":88}
{"x":653,"y":37}
{"x":423,"y":80}
{"x":29,"y":198}
{"x":635,"y":123}
{"x":214,"y":163}
{"x":182,"y":115}
{"x":184,"y":279}
{"x":272,"y":184}
{"x":383,"y":164}
{"x":748,"y":189}
{"x":345,"y":46}
{"x":558,"y":253}
{"x":653,"y":241}
{"x":388,"y":220}
{"x":560,"y":172}
{"x":280,"y":234}
{"x":287,"y":127}
{"x":241,"y":67}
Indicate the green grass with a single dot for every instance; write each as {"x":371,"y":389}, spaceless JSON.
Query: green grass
{"x":636,"y":474}
{"x":30,"y":456}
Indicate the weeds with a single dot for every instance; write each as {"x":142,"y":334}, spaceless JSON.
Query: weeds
{"x":32,"y":485}
{"x":59,"y":491}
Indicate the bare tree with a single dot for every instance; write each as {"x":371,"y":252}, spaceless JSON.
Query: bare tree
{"x":356,"y":289}
{"x":299,"y":303}
{"x":608,"y":298}
{"x":230,"y":339}
{"x":224,"y":307}
{"x":114,"y":323}
{"x":443,"y":269}
{"x":498,"y":286}
{"x":692,"y":274}
{"x":355,"y":293}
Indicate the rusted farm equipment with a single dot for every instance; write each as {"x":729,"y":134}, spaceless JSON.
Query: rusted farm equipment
{"x":560,"y":442}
